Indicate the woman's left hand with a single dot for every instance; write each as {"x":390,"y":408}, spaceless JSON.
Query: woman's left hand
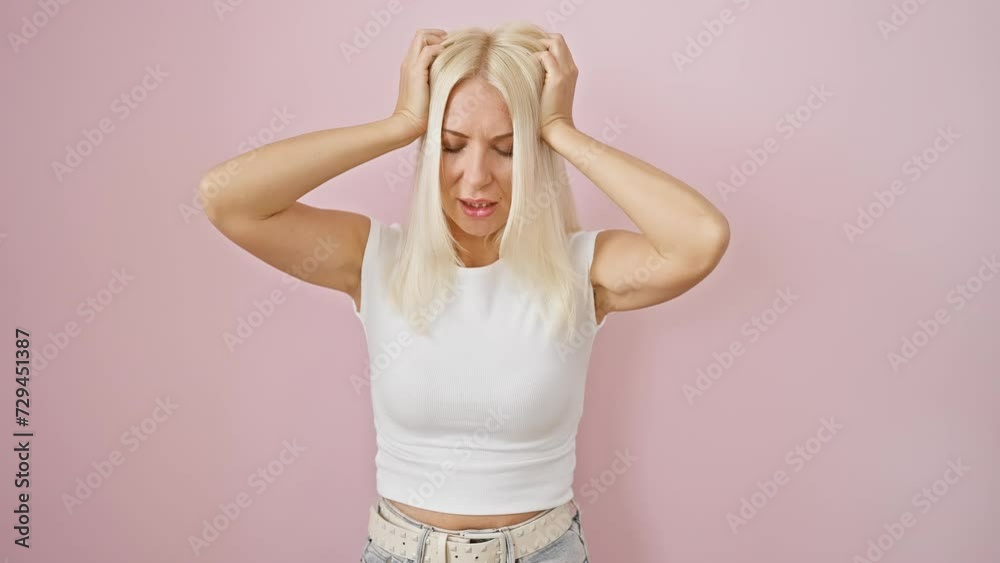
{"x":559,"y":86}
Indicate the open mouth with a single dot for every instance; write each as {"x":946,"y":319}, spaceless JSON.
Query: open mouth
{"x":478,"y":207}
{"x":478,"y":203}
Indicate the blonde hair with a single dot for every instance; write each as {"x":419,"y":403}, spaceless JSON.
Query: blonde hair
{"x":534,"y":241}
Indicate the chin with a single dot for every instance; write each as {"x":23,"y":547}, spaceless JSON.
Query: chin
{"x":479,"y":227}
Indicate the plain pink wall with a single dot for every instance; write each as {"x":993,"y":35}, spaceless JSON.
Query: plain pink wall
{"x":124,"y":212}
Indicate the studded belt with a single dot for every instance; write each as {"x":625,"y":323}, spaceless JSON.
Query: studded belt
{"x":427,"y":544}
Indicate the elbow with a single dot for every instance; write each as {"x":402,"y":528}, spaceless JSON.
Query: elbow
{"x":209,"y":192}
{"x":719,"y":234}
{"x":713,"y":232}
{"x":714,"y":243}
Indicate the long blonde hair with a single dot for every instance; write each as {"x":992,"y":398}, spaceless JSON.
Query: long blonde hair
{"x":534,"y":241}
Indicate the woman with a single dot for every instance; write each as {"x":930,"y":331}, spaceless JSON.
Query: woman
{"x":480,"y":313}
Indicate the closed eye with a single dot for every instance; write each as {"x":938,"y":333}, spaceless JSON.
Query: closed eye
{"x":506,"y":154}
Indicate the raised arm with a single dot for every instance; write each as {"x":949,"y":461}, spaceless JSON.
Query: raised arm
{"x":253,"y":198}
{"x":682,"y":235}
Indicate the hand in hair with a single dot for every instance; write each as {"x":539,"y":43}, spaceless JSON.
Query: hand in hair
{"x":559,"y":86}
{"x":414,"y":86}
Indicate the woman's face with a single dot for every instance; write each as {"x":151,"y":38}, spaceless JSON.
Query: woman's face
{"x":477,"y":142}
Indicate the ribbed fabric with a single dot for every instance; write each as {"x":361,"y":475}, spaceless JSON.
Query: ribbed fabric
{"x":480,"y":415}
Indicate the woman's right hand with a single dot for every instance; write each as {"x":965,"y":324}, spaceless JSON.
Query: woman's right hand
{"x":414,"y":79}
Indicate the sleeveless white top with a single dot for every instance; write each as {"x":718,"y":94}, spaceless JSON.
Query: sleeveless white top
{"x":478,"y":415}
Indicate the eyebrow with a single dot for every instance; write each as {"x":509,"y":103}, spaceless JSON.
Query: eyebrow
{"x":464,"y":136}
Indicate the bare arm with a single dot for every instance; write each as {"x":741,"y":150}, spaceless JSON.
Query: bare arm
{"x":683,"y":236}
{"x":253,"y":198}
{"x":258,"y":209}
{"x":263,"y":182}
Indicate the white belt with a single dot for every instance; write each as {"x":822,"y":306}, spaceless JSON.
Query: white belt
{"x":425,"y":544}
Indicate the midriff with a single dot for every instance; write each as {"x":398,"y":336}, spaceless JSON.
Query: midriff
{"x":459,"y":522}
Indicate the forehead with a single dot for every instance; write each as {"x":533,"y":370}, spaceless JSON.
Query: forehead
{"x":474,"y":107}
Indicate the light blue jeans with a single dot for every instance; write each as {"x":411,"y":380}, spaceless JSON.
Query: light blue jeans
{"x":568,"y":548}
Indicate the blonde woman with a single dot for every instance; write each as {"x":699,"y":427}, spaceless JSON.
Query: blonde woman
{"x":479,"y":312}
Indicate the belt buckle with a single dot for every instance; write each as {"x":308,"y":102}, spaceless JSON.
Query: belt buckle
{"x":480,"y":548}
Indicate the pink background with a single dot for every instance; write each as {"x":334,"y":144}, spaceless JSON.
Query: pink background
{"x":826,"y":356}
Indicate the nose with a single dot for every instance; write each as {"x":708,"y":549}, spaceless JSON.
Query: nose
{"x":477,"y":168}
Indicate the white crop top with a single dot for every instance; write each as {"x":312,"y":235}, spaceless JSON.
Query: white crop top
{"x":479,"y":415}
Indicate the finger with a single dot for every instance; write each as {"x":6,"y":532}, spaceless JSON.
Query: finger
{"x":562,"y":58}
{"x":554,"y":59}
{"x":557,"y":46}
{"x":427,"y":55}
{"x":552,"y":46}
{"x":420,"y":38}
{"x":557,"y":38}
{"x":547,"y":60}
{"x":433,"y":35}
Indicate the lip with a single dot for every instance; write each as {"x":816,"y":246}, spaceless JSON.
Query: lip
{"x":478,"y":213}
